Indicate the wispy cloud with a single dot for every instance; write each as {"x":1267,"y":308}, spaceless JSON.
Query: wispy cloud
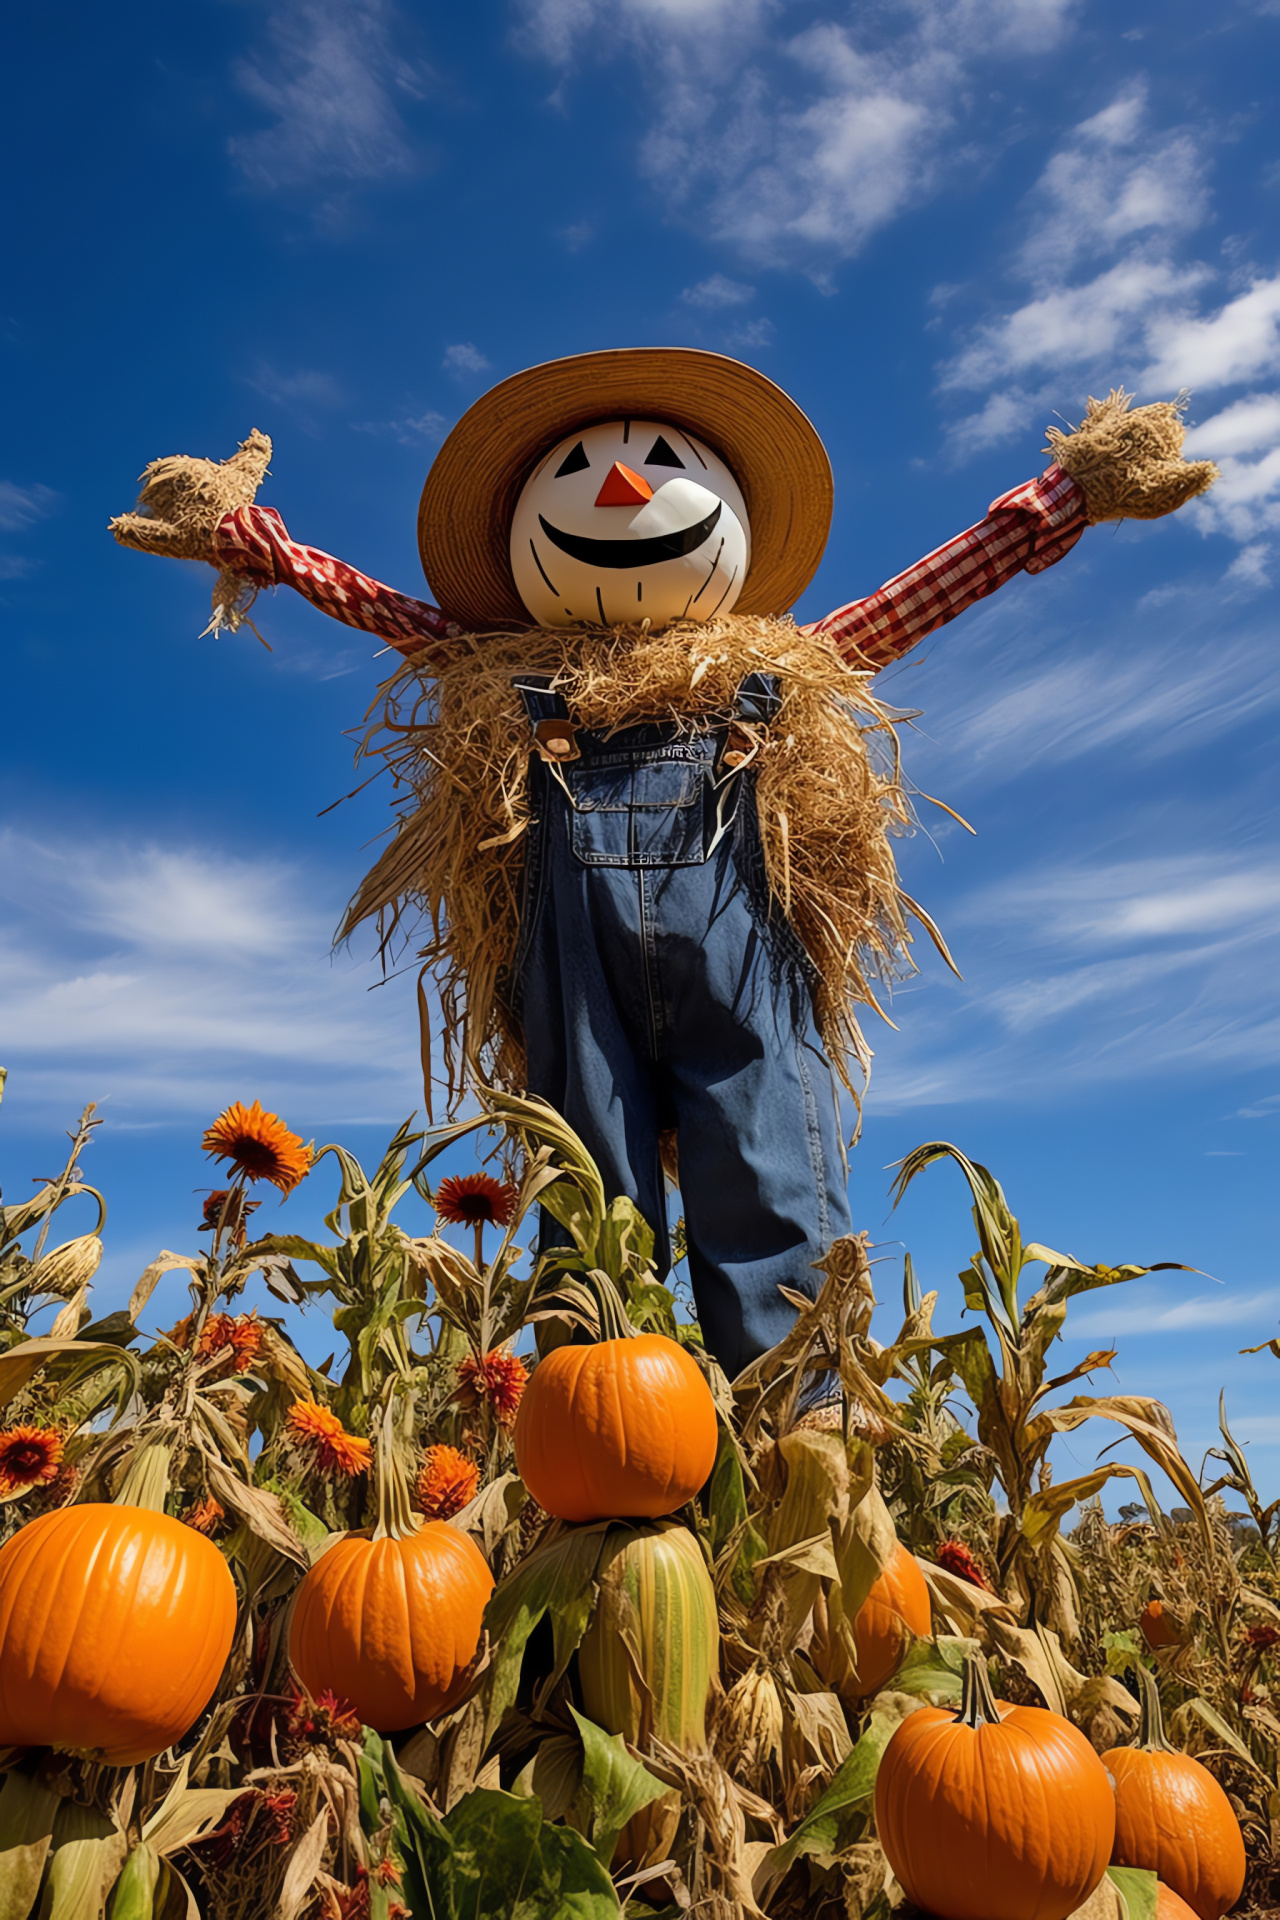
{"x":167,"y":979}
{"x":330,"y":78}
{"x":794,"y":151}
{"x":464,"y":361}
{"x":716,"y":292}
{"x":305,"y":394}
{"x":412,"y":430}
{"x":21,"y":507}
{"x":1158,"y":1314}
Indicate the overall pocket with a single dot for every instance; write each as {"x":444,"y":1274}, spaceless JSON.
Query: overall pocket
{"x":650,"y":812}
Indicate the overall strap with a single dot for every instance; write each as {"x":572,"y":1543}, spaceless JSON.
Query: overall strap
{"x":554,"y":735}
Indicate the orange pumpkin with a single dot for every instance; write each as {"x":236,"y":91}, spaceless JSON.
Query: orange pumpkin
{"x":1170,"y":1906}
{"x":993,"y":1812}
{"x":115,"y":1625}
{"x":1173,"y":1818}
{"x":898,"y":1602}
{"x":621,"y":1430}
{"x":392,"y":1624}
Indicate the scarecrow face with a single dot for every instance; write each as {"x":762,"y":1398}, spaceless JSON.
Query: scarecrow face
{"x":626,"y":521}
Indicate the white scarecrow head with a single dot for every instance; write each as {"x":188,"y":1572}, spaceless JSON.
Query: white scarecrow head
{"x":626,"y":521}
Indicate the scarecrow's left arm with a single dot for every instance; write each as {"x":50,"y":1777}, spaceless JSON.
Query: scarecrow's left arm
{"x":1117,"y":465}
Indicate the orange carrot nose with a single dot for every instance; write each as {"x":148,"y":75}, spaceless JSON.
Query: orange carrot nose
{"x":622,"y":488}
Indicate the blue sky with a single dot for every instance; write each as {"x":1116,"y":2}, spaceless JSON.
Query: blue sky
{"x":937,"y":224}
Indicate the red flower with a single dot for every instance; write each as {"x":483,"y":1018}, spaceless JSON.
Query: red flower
{"x":321,"y":1722}
{"x":258,"y":1146}
{"x":279,"y":1809}
{"x":957,"y":1559}
{"x":29,"y":1457}
{"x":446,"y":1481}
{"x":1261,"y":1639}
{"x":236,"y":1214}
{"x":332,"y":1448}
{"x":475,"y":1200}
{"x":497,"y":1379}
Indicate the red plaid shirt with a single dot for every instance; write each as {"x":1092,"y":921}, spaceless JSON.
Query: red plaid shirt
{"x":1026,"y":530}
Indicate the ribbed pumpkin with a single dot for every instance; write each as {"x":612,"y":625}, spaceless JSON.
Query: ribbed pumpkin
{"x":1170,"y":1905}
{"x":1173,"y":1818}
{"x":663,"y":1575}
{"x":115,"y":1625}
{"x":897,"y":1605}
{"x":659,"y":1578}
{"x":392,"y":1623}
{"x":993,"y":1812}
{"x":620,"y":1430}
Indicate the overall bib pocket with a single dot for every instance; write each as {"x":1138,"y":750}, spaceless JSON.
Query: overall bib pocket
{"x":641,"y":811}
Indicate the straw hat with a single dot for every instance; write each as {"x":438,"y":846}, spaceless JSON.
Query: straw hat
{"x":774,"y":452}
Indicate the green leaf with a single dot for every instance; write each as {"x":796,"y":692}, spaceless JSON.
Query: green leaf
{"x":933,"y":1670}
{"x":822,"y":1829}
{"x":614,"y":1786}
{"x":27,"y":1812}
{"x":426,"y":1848}
{"x":1138,"y":1889}
{"x":134,"y":1895}
{"x":558,"y":1578}
{"x":88,"y":1852}
{"x":508,"y":1860}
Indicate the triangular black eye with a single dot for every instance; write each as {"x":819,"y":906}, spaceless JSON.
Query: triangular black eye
{"x":573,"y":462}
{"x":662,"y":455}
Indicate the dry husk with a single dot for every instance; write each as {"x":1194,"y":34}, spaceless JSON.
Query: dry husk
{"x":1129,"y":459}
{"x":831,"y":802}
{"x":182,"y":500}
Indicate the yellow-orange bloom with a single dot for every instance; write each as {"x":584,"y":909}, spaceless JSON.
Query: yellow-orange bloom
{"x":332,"y":1448}
{"x":259,"y":1146}
{"x":29,"y":1457}
{"x":446,"y":1481}
{"x":237,"y":1337}
{"x":497,"y":1379}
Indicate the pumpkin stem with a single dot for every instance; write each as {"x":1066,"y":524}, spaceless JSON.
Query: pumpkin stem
{"x":146,"y":1484}
{"x":1151,"y":1734}
{"x":396,"y":1518}
{"x":614,"y":1323}
{"x":977,"y":1702}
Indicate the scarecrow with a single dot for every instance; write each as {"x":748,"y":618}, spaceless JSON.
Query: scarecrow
{"x":645,"y":818}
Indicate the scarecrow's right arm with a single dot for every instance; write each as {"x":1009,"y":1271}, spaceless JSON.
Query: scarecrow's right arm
{"x":1116,"y":465}
{"x":203,"y":510}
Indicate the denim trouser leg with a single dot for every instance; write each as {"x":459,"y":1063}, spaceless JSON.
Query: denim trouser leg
{"x":654,"y":993}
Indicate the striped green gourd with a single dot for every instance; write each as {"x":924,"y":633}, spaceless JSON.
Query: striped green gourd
{"x":654,"y":1590}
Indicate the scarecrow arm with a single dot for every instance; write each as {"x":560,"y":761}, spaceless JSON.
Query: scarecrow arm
{"x":1116,"y":465}
{"x":253,"y":543}
{"x":1024,"y":531}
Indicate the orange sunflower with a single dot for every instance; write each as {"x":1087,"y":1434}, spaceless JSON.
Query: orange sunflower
{"x":495,"y":1380}
{"x":259,"y":1146}
{"x":475,"y":1200}
{"x":331,"y":1447}
{"x":29,"y":1457}
{"x":445,"y":1483}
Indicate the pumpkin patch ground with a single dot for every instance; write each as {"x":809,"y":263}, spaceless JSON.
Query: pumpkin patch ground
{"x":519,"y":1606}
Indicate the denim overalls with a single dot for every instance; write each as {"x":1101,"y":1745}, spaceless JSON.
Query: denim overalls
{"x":656,"y":989}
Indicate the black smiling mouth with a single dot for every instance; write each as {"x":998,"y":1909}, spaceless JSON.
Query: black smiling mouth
{"x":633,"y":553}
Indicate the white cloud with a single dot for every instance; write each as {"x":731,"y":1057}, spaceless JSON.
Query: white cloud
{"x":414,"y":430}
{"x":1112,"y":299}
{"x":795,"y":151}
{"x":718,"y":291}
{"x":1149,"y":1316}
{"x":330,"y":83}
{"x":168,"y":979}
{"x":299,"y":392}
{"x":21,"y":507}
{"x":464,"y":360}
